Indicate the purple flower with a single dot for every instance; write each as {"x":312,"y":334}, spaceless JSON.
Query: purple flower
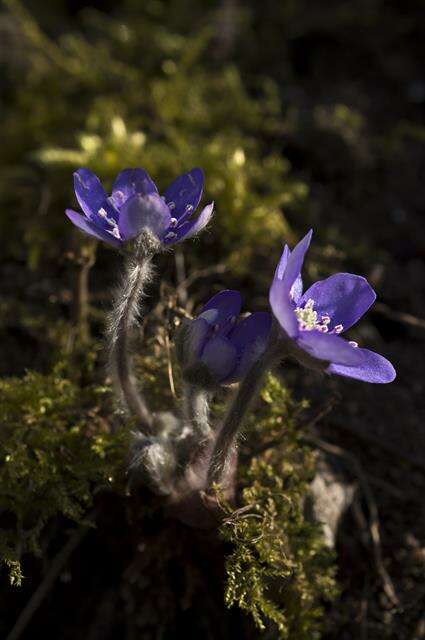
{"x":312,"y":322}
{"x":135,"y":205}
{"x":216,"y":348}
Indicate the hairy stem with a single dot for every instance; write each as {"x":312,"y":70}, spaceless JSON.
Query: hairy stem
{"x":122,"y":319}
{"x":248,"y":390}
{"x":196,"y":410}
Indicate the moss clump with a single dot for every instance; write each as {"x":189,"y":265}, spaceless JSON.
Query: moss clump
{"x":60,"y":447}
{"x":56,"y":452}
{"x":279,"y":568}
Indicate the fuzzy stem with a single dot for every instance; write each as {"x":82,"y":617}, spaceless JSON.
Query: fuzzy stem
{"x":122,"y":319}
{"x":248,"y":390}
{"x":196,"y":410}
{"x":196,"y":432}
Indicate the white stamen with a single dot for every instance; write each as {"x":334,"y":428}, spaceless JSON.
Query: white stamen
{"x":353,"y":343}
{"x":170,"y":235}
{"x":115,"y":232}
{"x":103,"y":214}
{"x":189,"y":207}
{"x":339,"y":328}
{"x":171,"y":205}
{"x":325,"y":319}
{"x":173,"y":222}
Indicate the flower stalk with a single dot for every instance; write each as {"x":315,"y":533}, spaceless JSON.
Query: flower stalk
{"x":196,"y":411}
{"x":123,"y":318}
{"x":249,"y":388}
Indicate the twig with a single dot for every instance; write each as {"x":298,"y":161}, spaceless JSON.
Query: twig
{"x":81,"y":297}
{"x":47,"y":583}
{"x":319,"y":415}
{"x":388,"y":448}
{"x":388,"y":488}
{"x":169,"y":363}
{"x":419,"y":631}
{"x":363,"y":615}
{"x":199,"y":273}
{"x":372,"y":508}
{"x":399,"y":316}
{"x":181,"y":289}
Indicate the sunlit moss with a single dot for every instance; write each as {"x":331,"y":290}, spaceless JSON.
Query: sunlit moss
{"x":150,"y":99}
{"x":279,"y":570}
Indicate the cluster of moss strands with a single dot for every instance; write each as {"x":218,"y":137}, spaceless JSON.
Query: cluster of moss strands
{"x":279,"y":570}
{"x":57,"y":452}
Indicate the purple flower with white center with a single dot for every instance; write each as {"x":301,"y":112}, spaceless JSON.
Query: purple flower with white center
{"x":135,"y":205}
{"x":312,"y":322}
{"x":216,"y":344}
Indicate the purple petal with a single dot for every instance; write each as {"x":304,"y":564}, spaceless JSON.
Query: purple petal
{"x":143,"y":212}
{"x":89,"y":191}
{"x":280,"y":300}
{"x":185,"y":193}
{"x":250,"y":339}
{"x":190,"y":228}
{"x":373,"y":368}
{"x":280,"y":269}
{"x":287,"y":284}
{"x":329,"y":347}
{"x":195,"y":339}
{"x":343,"y":297}
{"x":254,"y":327}
{"x":220,"y":356}
{"x":297,"y":290}
{"x":129,"y":183}
{"x":228,"y":305}
{"x":89,"y":227}
{"x":295,"y":261}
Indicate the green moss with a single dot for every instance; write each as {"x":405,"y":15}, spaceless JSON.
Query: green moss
{"x":61,"y":444}
{"x":279,"y":569}
{"x":57,"y":451}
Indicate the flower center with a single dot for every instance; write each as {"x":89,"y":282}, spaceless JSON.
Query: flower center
{"x":308,"y":319}
{"x":111,"y":222}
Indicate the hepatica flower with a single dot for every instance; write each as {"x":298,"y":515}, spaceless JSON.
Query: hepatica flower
{"x":313,"y":321}
{"x":135,"y":205}
{"x":217,"y":348}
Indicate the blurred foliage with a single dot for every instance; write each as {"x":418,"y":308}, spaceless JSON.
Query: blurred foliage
{"x":279,"y":569}
{"x":137,"y":93}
